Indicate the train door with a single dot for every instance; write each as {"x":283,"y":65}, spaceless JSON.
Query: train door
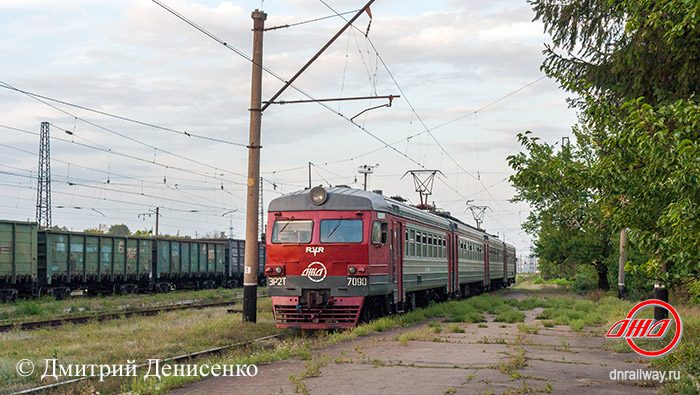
{"x":487,"y":276}
{"x":453,"y":267}
{"x":505,"y":264}
{"x":397,"y":244}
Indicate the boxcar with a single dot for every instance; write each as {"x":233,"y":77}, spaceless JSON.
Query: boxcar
{"x":18,"y":260}
{"x":340,"y":255}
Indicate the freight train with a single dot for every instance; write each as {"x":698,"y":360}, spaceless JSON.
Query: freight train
{"x":37,"y":262}
{"x":338,"y":256}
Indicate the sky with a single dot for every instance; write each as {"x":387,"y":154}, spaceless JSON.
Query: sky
{"x":466,"y":71}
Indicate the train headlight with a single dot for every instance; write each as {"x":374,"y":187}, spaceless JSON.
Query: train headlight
{"x":318,"y":195}
{"x":352,"y":270}
{"x":278,"y":270}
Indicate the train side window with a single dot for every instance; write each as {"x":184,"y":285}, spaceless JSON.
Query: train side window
{"x":406,"y":245}
{"x":412,"y":243}
{"x":380,"y":231}
{"x":376,"y":232}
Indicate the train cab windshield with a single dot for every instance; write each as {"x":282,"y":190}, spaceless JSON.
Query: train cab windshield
{"x":292,"y":231}
{"x":341,"y":231}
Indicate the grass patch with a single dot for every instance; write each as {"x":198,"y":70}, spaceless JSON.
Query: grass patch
{"x":454,"y":328}
{"x":528,"y":329}
{"x":513,"y":363}
{"x":47,"y":307}
{"x":116,"y":341}
{"x":509,"y":315}
{"x":421,"y":334}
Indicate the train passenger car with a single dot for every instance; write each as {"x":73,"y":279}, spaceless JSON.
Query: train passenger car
{"x":337,"y":256}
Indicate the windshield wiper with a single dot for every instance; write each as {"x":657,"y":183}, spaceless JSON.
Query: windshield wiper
{"x":284,"y":227}
{"x":334,"y":229}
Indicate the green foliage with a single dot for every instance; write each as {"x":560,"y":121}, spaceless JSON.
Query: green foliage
{"x":94,"y":231}
{"x":119,"y":230}
{"x":143,"y":233}
{"x":617,"y":50}
{"x":635,"y":68}
{"x":584,"y":279}
{"x":570,"y":226}
{"x":655,"y":192}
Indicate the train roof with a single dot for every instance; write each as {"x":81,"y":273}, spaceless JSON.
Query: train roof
{"x":343,"y":198}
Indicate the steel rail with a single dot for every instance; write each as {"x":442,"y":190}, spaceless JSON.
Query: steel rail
{"x":112,"y":315}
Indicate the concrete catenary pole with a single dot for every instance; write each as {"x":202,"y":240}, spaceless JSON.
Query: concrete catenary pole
{"x":157,"y":219}
{"x":250,"y":275}
{"x":621,"y":266}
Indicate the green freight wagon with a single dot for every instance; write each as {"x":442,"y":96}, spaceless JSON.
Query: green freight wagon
{"x":95,"y":263}
{"x":188,"y":264}
{"x":18,"y":260}
{"x":235,"y":259}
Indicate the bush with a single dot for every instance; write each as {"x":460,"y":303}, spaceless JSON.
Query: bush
{"x":585,"y":279}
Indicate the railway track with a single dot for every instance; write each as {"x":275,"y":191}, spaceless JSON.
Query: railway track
{"x":113,"y":315}
{"x":184,"y":357}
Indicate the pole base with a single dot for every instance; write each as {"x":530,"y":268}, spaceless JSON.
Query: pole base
{"x":250,"y":303}
{"x":659,"y":312}
{"x":621,"y":291}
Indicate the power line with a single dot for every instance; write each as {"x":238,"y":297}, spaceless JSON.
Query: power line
{"x":428,"y":130}
{"x":76,"y":184}
{"x":120,"y":117}
{"x":277,"y":76}
{"x":108,"y":173}
{"x":110,"y":151}
{"x":123,"y":135}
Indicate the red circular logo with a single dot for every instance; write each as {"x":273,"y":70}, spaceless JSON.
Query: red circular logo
{"x":676,"y":337}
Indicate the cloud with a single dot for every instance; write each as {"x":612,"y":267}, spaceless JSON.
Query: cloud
{"x":134,"y":58}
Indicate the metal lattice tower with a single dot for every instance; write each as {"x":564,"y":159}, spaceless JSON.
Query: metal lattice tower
{"x":43,"y":190}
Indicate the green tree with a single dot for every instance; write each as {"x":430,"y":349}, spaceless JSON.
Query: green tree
{"x":119,"y":230}
{"x":566,"y":219}
{"x":634,"y":67}
{"x":143,"y":233}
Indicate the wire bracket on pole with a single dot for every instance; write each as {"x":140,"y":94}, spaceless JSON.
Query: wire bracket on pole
{"x":391,"y":99}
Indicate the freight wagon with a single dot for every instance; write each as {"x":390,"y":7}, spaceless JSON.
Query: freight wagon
{"x":94,"y":262}
{"x":189,"y":264}
{"x":18,"y":259}
{"x":235,"y":258}
{"x":338,"y":256}
{"x":50,"y":262}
